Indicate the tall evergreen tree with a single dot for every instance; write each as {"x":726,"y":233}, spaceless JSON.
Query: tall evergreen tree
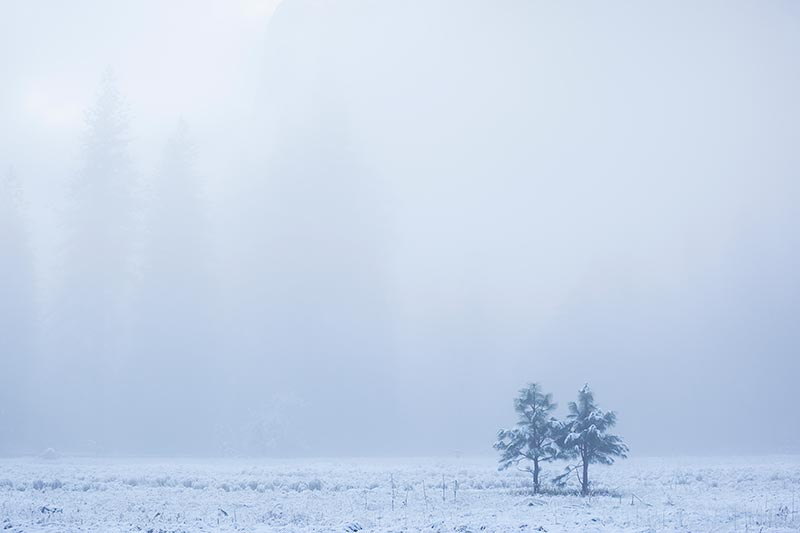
{"x":533,"y":438}
{"x":17,"y":312}
{"x":585,"y":436}
{"x":86,"y":322}
{"x":173,"y":349}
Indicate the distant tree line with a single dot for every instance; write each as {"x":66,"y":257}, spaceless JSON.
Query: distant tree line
{"x":147,"y":298}
{"x":539,"y":437}
{"x":127,"y":306}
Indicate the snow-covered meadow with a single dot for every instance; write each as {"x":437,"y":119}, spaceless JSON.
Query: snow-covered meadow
{"x":168,"y":495}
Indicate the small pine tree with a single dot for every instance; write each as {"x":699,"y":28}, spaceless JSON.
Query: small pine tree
{"x":534,"y":437}
{"x":584,"y":436}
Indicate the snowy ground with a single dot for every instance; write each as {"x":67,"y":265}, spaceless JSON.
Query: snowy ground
{"x":684,"y":494}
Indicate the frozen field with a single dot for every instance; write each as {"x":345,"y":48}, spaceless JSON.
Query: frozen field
{"x":684,"y":494}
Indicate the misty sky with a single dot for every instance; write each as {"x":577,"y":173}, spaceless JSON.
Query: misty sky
{"x":396,"y":215}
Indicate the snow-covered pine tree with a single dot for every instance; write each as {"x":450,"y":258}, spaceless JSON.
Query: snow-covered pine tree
{"x":585,"y":436}
{"x":534,"y":437}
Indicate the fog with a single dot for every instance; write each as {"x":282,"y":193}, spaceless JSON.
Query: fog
{"x":358,"y":227}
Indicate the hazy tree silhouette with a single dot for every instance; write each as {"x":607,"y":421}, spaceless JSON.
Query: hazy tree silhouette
{"x":175,"y":305}
{"x":86,"y":322}
{"x":17,"y":311}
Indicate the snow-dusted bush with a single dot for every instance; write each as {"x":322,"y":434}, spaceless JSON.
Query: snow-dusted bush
{"x":50,"y":454}
{"x":298,"y":486}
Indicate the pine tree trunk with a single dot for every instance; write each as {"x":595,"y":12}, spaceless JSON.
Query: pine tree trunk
{"x":536,"y":475}
{"x":585,"y":479}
